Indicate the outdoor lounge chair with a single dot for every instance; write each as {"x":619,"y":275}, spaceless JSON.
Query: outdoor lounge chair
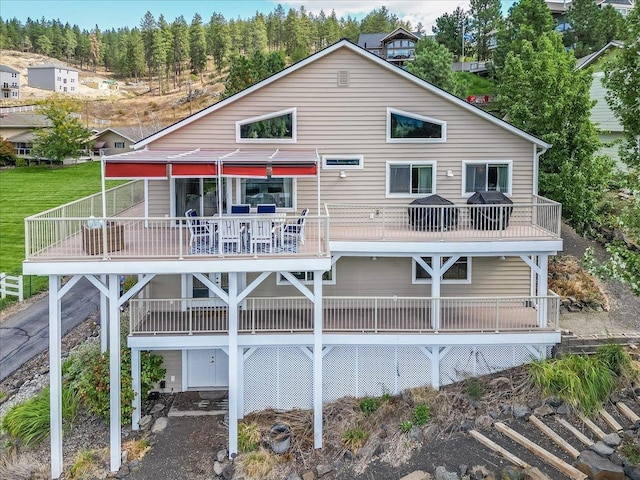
{"x":294,"y":232}
{"x":197,"y":228}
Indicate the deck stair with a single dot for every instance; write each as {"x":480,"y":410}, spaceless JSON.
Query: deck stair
{"x":564,"y":445}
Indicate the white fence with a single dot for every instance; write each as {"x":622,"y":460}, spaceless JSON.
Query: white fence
{"x":11,"y":285}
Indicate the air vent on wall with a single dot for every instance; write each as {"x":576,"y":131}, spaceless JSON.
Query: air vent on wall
{"x":343,"y":78}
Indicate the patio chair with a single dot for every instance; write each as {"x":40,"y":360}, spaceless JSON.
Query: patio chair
{"x":267,"y":208}
{"x":294,"y":232}
{"x":230,"y":234}
{"x":197,"y":228}
{"x":261,"y":235}
{"x":241,"y":209}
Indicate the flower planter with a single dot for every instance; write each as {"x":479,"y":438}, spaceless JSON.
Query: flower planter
{"x":280,"y":438}
{"x":92,"y":239}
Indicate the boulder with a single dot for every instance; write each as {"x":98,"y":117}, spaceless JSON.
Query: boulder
{"x":544,"y":410}
{"x":417,"y":475}
{"x":612,"y":439}
{"x":159,"y":425}
{"x":442,"y":474}
{"x":323,"y":469}
{"x":598,"y":468}
{"x":221,"y":455}
{"x":601,"y":449}
{"x":633,"y":472}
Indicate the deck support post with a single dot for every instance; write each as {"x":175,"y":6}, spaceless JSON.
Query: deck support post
{"x":436,"y":277}
{"x":104,"y":324}
{"x":135,"y":385}
{"x":543,"y":289}
{"x":240,"y":391}
{"x":233,"y":363}
{"x":435,"y":367}
{"x":55,"y":375}
{"x":317,"y":359}
{"x":114,"y":376}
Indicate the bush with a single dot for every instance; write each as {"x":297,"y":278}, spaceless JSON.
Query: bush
{"x":405,"y":426}
{"x":248,"y":436}
{"x":29,"y":421}
{"x":475,"y":388}
{"x":369,"y":405}
{"x":355,"y":437}
{"x":84,"y":465}
{"x":421,"y":414}
{"x":259,"y":464}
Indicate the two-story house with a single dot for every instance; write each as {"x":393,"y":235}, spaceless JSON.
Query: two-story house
{"x":396,"y":47}
{"x":9,"y":83}
{"x":316,"y":235}
{"x":57,"y":78}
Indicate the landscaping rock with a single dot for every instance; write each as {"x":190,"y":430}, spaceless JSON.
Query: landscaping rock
{"x":544,"y":411}
{"x":323,"y":469}
{"x":228,"y":471}
{"x":612,"y":439}
{"x":370,"y":449}
{"x":430,"y":432}
{"x":416,"y":434}
{"x":484,"y":421}
{"x":123,"y":472}
{"x":218,"y":468}
{"x":124,"y":455}
{"x":521,"y":411}
{"x":222,"y":455}
{"x":442,"y":474}
{"x":309,"y":475}
{"x":601,"y":449}
{"x":157,"y":408}
{"x":159,"y":425}
{"x":417,"y":475}
{"x":562,"y":409}
{"x":293,"y":476}
{"x":632,"y":472}
{"x":145,"y":422}
{"x":467,"y":425}
{"x":598,"y":468}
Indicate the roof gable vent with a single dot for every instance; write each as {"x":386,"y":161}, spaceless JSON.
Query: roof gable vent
{"x":343,"y":78}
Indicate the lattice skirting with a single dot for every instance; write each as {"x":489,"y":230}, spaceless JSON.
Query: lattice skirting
{"x":282,"y":377}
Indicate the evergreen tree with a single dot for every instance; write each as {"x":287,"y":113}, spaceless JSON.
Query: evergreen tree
{"x":449,"y":30}
{"x":432,"y":63}
{"x":591,"y":26}
{"x":147,"y":28}
{"x":179,"y":48}
{"x":197,"y":46}
{"x":218,"y":39}
{"x":486,"y":18}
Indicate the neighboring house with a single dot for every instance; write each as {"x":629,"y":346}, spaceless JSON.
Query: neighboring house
{"x":559,"y":10}
{"x":347,"y":288}
{"x":610,"y":130}
{"x":114,"y":140}
{"x":9,"y":83}
{"x":18,"y":129}
{"x":57,"y":78}
{"x":396,"y":47}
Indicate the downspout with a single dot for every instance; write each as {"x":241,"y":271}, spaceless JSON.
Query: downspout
{"x":536,"y":167}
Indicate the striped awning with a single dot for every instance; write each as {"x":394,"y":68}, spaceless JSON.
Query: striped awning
{"x":158,"y":164}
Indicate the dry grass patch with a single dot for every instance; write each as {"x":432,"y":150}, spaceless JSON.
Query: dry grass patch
{"x":136,"y":448}
{"x":568,"y":278}
{"x":16,"y":466}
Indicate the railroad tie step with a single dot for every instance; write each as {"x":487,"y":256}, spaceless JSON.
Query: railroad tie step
{"x":555,"y":438}
{"x":576,"y":433}
{"x":545,"y":455}
{"x":612,"y":422}
{"x":592,"y":426}
{"x":627,"y":412}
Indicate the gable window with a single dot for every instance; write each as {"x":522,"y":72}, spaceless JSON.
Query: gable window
{"x":404,"y":127}
{"x":408,"y":179}
{"x":118,"y":144}
{"x":272,"y":127}
{"x":459,"y":272}
{"x":343,"y":162}
{"x":328,"y":277}
{"x":487,"y":176}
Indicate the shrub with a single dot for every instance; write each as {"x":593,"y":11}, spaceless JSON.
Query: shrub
{"x":84,"y":465}
{"x":615,"y":358}
{"x":475,"y":388}
{"x":248,"y":436}
{"x":405,"y":426}
{"x":21,"y":162}
{"x":421,"y":414}
{"x":29,"y":421}
{"x":259,"y":464}
{"x":369,"y":405}
{"x":355,"y":437}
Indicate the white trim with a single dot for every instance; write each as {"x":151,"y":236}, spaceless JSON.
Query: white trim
{"x":443,"y":281}
{"x":415,"y":116}
{"x":486,"y":163}
{"x":280,"y":280}
{"x":360,"y":159}
{"x":294,"y":133}
{"x":365,"y":54}
{"x":410,"y":163}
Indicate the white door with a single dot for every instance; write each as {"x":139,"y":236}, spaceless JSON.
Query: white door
{"x":207,"y":368}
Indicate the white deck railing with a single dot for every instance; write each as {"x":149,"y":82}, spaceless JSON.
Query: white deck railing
{"x":348,"y":315}
{"x":537,"y":220}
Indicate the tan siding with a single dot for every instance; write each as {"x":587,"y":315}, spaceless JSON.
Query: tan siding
{"x":165,"y":286}
{"x":172,"y":362}
{"x":159,"y":198}
{"x":352,"y":120}
{"x":110,"y":138}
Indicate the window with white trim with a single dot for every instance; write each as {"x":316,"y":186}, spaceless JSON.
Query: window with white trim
{"x":409,"y":179}
{"x":328,"y":277}
{"x":118,"y":144}
{"x":343,"y":162}
{"x":487,"y":176}
{"x":270,"y":128}
{"x":459,"y":272}
{"x":405,"y":127}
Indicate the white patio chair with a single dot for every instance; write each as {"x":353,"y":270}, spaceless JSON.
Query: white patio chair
{"x":198,"y":229}
{"x":294,"y":232}
{"x":261,"y":234}
{"x":230,"y":233}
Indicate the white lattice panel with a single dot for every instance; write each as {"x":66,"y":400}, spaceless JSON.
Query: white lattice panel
{"x":377,"y":370}
{"x":339,"y":373}
{"x":458,"y":363}
{"x":521,"y":355}
{"x":493,"y":358}
{"x":296,"y":379}
{"x":414,"y":368}
{"x":261,"y":380}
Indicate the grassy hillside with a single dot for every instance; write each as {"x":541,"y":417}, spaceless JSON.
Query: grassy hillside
{"x":29,"y":190}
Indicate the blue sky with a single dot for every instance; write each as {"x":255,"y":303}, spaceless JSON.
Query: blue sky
{"x":128,"y":13}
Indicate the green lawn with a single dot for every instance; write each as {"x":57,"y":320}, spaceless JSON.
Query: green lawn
{"x":28,"y":190}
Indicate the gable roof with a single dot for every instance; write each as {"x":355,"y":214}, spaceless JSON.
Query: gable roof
{"x":52,"y":65}
{"x":400,"y":31}
{"x":133,"y":134}
{"x":366,"y":54}
{"x":587,"y":60}
{"x":29,"y":120}
{"x":374,"y":40}
{"x":6,"y":68}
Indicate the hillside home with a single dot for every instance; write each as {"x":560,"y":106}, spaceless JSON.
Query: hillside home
{"x":341,"y":228}
{"x":9,"y":83}
{"x":18,"y":129}
{"x":57,"y":78}
{"x":115,"y":140}
{"x":396,"y":47}
{"x":559,"y":10}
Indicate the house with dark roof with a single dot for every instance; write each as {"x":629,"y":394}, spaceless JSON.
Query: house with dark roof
{"x":9,"y":83}
{"x":396,"y":47}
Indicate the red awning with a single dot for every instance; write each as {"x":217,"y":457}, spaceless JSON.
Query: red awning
{"x":294,"y":170}
{"x":127,"y":170}
{"x":244,"y":170}
{"x":195,"y":170}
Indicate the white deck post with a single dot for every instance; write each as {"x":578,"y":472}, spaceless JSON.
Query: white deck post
{"x":55,"y":376}
{"x":104,"y":315}
{"x":233,"y":363}
{"x":135,"y":384}
{"x":114,"y":375}
{"x":435,"y":367}
{"x":543,"y":288}
{"x":436,"y":277}
{"x":317,"y":359}
{"x":240,"y":391}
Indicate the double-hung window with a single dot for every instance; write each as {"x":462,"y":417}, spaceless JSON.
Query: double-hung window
{"x":409,"y":179}
{"x":487,"y":176}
